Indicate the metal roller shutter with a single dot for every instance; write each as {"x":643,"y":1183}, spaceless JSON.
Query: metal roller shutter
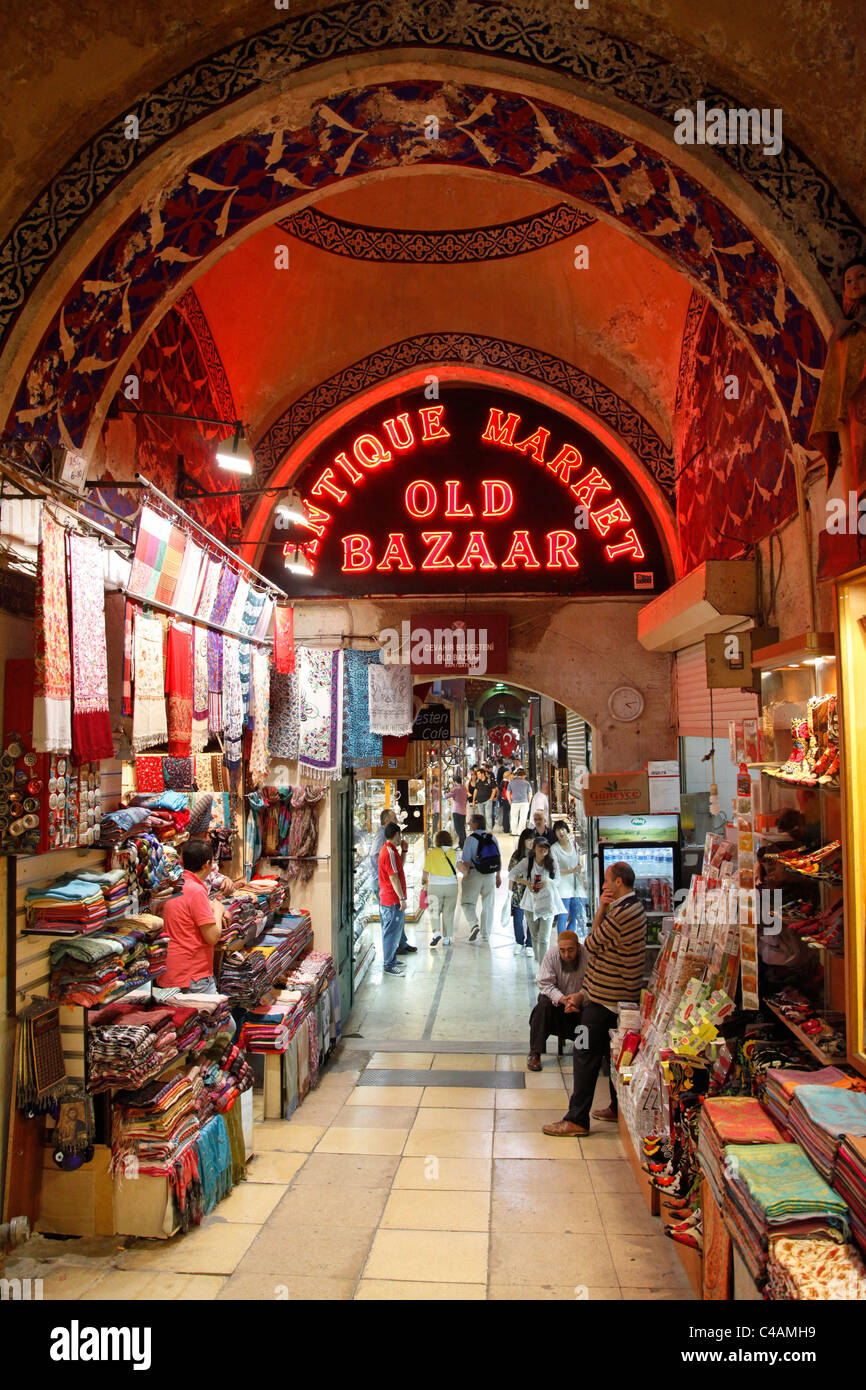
{"x":693,"y":699}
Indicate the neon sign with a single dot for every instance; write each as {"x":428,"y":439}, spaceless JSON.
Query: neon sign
{"x":471,"y":494}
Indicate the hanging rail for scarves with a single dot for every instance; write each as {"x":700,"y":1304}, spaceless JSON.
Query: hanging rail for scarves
{"x":211,"y":540}
{"x":9,"y":471}
{"x":146,"y":602}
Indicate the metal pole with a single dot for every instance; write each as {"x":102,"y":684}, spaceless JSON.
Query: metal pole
{"x":190,"y":618}
{"x":211,"y":540}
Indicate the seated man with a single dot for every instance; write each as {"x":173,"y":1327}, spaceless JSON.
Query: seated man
{"x":559,"y":996}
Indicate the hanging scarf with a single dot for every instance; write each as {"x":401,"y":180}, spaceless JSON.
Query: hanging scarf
{"x":249,"y":619}
{"x":91,"y":725}
{"x":199,"y":691}
{"x":177,"y":774}
{"x":361,"y":748}
{"x":184,"y":597}
{"x":232,"y":702}
{"x":304,"y":833}
{"x":284,"y":639}
{"x":228,"y":583}
{"x":204,"y":774}
{"x":261,"y":697}
{"x":284,"y":717}
{"x":264,"y":622}
{"x":150,"y":546}
{"x":148,"y":773}
{"x":52,"y":687}
{"x":170,"y":569}
{"x":390,"y":695}
{"x":148,"y":720}
{"x":178,"y":688}
{"x":320,"y":698}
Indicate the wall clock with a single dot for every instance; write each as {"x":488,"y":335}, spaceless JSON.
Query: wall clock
{"x":625,"y":703}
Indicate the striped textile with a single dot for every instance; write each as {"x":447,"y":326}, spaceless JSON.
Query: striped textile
{"x":617,"y":953}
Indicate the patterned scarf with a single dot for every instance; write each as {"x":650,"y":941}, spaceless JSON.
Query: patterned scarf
{"x":284,"y":719}
{"x":361,"y":748}
{"x":150,"y":547}
{"x":228,"y":583}
{"x":171,"y":566}
{"x":148,"y":720}
{"x":261,"y":696}
{"x":232,"y":702}
{"x":390,"y":695}
{"x":193,"y":558}
{"x":284,"y":639}
{"x":320,"y":701}
{"x":91,"y":725}
{"x":148,"y":773}
{"x":52,"y":688}
{"x":199,"y":691}
{"x":178,"y":683}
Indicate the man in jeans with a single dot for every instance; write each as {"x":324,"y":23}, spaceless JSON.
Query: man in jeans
{"x":476,"y":883}
{"x":485,"y":798}
{"x":616,"y":951}
{"x":386,"y":817}
{"x":521,"y":792}
{"x":392,"y":899}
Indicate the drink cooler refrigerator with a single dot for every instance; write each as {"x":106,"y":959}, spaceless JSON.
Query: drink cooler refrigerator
{"x":651,"y":847}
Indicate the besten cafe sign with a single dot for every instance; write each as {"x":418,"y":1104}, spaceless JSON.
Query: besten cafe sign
{"x":421,"y":514}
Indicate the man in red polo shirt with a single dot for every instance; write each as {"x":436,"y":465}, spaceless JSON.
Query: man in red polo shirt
{"x":192,"y":923}
{"x":392,"y":898}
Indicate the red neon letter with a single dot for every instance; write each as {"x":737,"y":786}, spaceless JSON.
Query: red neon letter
{"x":316,"y":518}
{"x":411,"y":499}
{"x":431,"y":422}
{"x":476,"y":550}
{"x":499,"y":433}
{"x":453,"y":507}
{"x":348,"y":468}
{"x":325,"y":483}
{"x":357,"y":554}
{"x":534,"y":444}
{"x":565,"y":462}
{"x":603,"y":520}
{"x":593,"y":482}
{"x":377,"y":453}
{"x":561,"y":546}
{"x":395,"y":550}
{"x":407,"y":439}
{"x":436,"y":559}
{"x":498,"y":497}
{"x":521,"y":550}
{"x":630,"y":546}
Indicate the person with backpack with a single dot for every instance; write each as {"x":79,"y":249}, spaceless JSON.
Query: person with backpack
{"x":480,"y":867}
{"x":440,"y":880}
{"x":538,"y":875}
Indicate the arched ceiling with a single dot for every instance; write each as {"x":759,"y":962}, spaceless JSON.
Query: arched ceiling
{"x":309,"y":135}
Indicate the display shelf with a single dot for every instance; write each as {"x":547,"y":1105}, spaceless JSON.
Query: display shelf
{"x":817,"y":1052}
{"x":795,"y":651}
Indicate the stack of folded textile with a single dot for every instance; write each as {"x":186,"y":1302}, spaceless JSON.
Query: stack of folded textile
{"x":66,"y":908}
{"x":116,"y":825}
{"x":730,"y":1120}
{"x":820,"y":1116}
{"x":241,"y":920}
{"x":128,"y":1046}
{"x":114,"y":886}
{"x":94,"y":970}
{"x":270,"y":1027}
{"x":312,"y":974}
{"x":815,"y":1269}
{"x":781,"y":1082}
{"x":154,"y":1125}
{"x":850,"y":1182}
{"x":271,"y":893}
{"x":244,"y":975}
{"x":773,"y":1190}
{"x":222,"y":1082}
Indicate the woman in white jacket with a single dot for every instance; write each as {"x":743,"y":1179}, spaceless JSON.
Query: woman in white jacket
{"x":571,"y":885}
{"x":541,"y":901}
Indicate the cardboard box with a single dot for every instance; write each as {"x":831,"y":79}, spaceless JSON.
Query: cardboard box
{"x":79,"y":1202}
{"x":616,"y":794}
{"x":144,"y":1206}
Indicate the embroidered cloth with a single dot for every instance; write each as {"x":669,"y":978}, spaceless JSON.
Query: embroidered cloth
{"x":361,"y":748}
{"x":284,"y":716}
{"x":149,"y":725}
{"x":52,"y":686}
{"x":390,"y":695}
{"x":320,"y":700}
{"x":91,"y":725}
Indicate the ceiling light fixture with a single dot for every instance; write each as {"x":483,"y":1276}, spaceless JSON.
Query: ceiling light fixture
{"x":297,"y":562}
{"x":291,"y":508}
{"x":234,"y":453}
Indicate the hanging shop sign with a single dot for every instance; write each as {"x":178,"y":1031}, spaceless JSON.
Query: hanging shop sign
{"x":483,"y":492}
{"x":616,"y":794}
{"x":449,"y":644}
{"x":432,"y":722}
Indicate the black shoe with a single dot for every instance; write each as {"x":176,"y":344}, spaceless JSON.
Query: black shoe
{"x":406,"y":950}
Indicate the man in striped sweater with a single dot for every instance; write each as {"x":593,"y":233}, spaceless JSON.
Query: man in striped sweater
{"x":616,"y":949}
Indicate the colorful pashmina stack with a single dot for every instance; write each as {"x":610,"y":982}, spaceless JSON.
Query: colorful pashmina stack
{"x":148,"y":717}
{"x":730,"y":1120}
{"x":815,"y":1269}
{"x":820,"y":1116}
{"x":52,"y":690}
{"x":390,"y":697}
{"x":780,"y":1083}
{"x":320,"y":697}
{"x":850,"y":1182}
{"x":178,"y":686}
{"x":91,"y":725}
{"x":361,"y":748}
{"x":284,"y":639}
{"x":284,"y":716}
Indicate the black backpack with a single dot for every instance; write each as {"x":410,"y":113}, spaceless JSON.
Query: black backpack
{"x":487,"y":859}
